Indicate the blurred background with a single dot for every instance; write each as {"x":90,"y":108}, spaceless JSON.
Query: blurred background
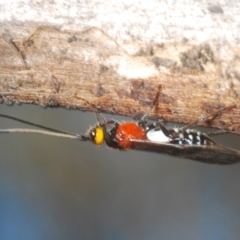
{"x":54,"y":188}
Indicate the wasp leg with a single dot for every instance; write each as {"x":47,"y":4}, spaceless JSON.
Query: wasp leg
{"x":154,"y":103}
{"x":211,"y":134}
{"x":211,"y":116}
{"x":143,"y":122}
{"x":158,"y":126}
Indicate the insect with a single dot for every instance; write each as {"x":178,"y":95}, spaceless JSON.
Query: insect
{"x":183,"y":142}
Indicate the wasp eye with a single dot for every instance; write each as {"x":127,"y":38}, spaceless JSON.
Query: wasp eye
{"x":97,"y":135}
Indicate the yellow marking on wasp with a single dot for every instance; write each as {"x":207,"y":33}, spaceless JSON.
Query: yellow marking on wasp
{"x":99,"y":137}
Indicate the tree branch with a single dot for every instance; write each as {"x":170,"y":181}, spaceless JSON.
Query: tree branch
{"x":54,"y":67}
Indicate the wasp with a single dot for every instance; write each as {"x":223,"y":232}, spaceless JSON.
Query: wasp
{"x":183,"y":142}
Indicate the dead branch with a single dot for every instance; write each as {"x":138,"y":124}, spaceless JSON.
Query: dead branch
{"x":54,"y":67}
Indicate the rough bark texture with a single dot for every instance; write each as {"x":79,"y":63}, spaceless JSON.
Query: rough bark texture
{"x":80,"y":55}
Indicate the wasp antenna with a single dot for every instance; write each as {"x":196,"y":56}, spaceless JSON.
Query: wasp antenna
{"x":50,"y":131}
{"x":154,"y":103}
{"x":43,"y":132}
{"x":35,"y":124}
{"x":84,"y":138}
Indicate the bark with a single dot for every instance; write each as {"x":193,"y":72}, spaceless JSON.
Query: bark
{"x":113,"y":57}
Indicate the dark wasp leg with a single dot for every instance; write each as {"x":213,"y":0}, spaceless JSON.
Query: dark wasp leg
{"x":204,"y":119}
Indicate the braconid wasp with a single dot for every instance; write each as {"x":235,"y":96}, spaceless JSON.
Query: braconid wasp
{"x":183,"y":142}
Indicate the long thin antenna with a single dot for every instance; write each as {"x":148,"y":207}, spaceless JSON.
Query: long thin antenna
{"x":55,"y":134}
{"x":51,"y":131}
{"x":34,"y":124}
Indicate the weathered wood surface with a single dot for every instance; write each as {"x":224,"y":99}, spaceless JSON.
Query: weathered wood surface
{"x":115,"y":60}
